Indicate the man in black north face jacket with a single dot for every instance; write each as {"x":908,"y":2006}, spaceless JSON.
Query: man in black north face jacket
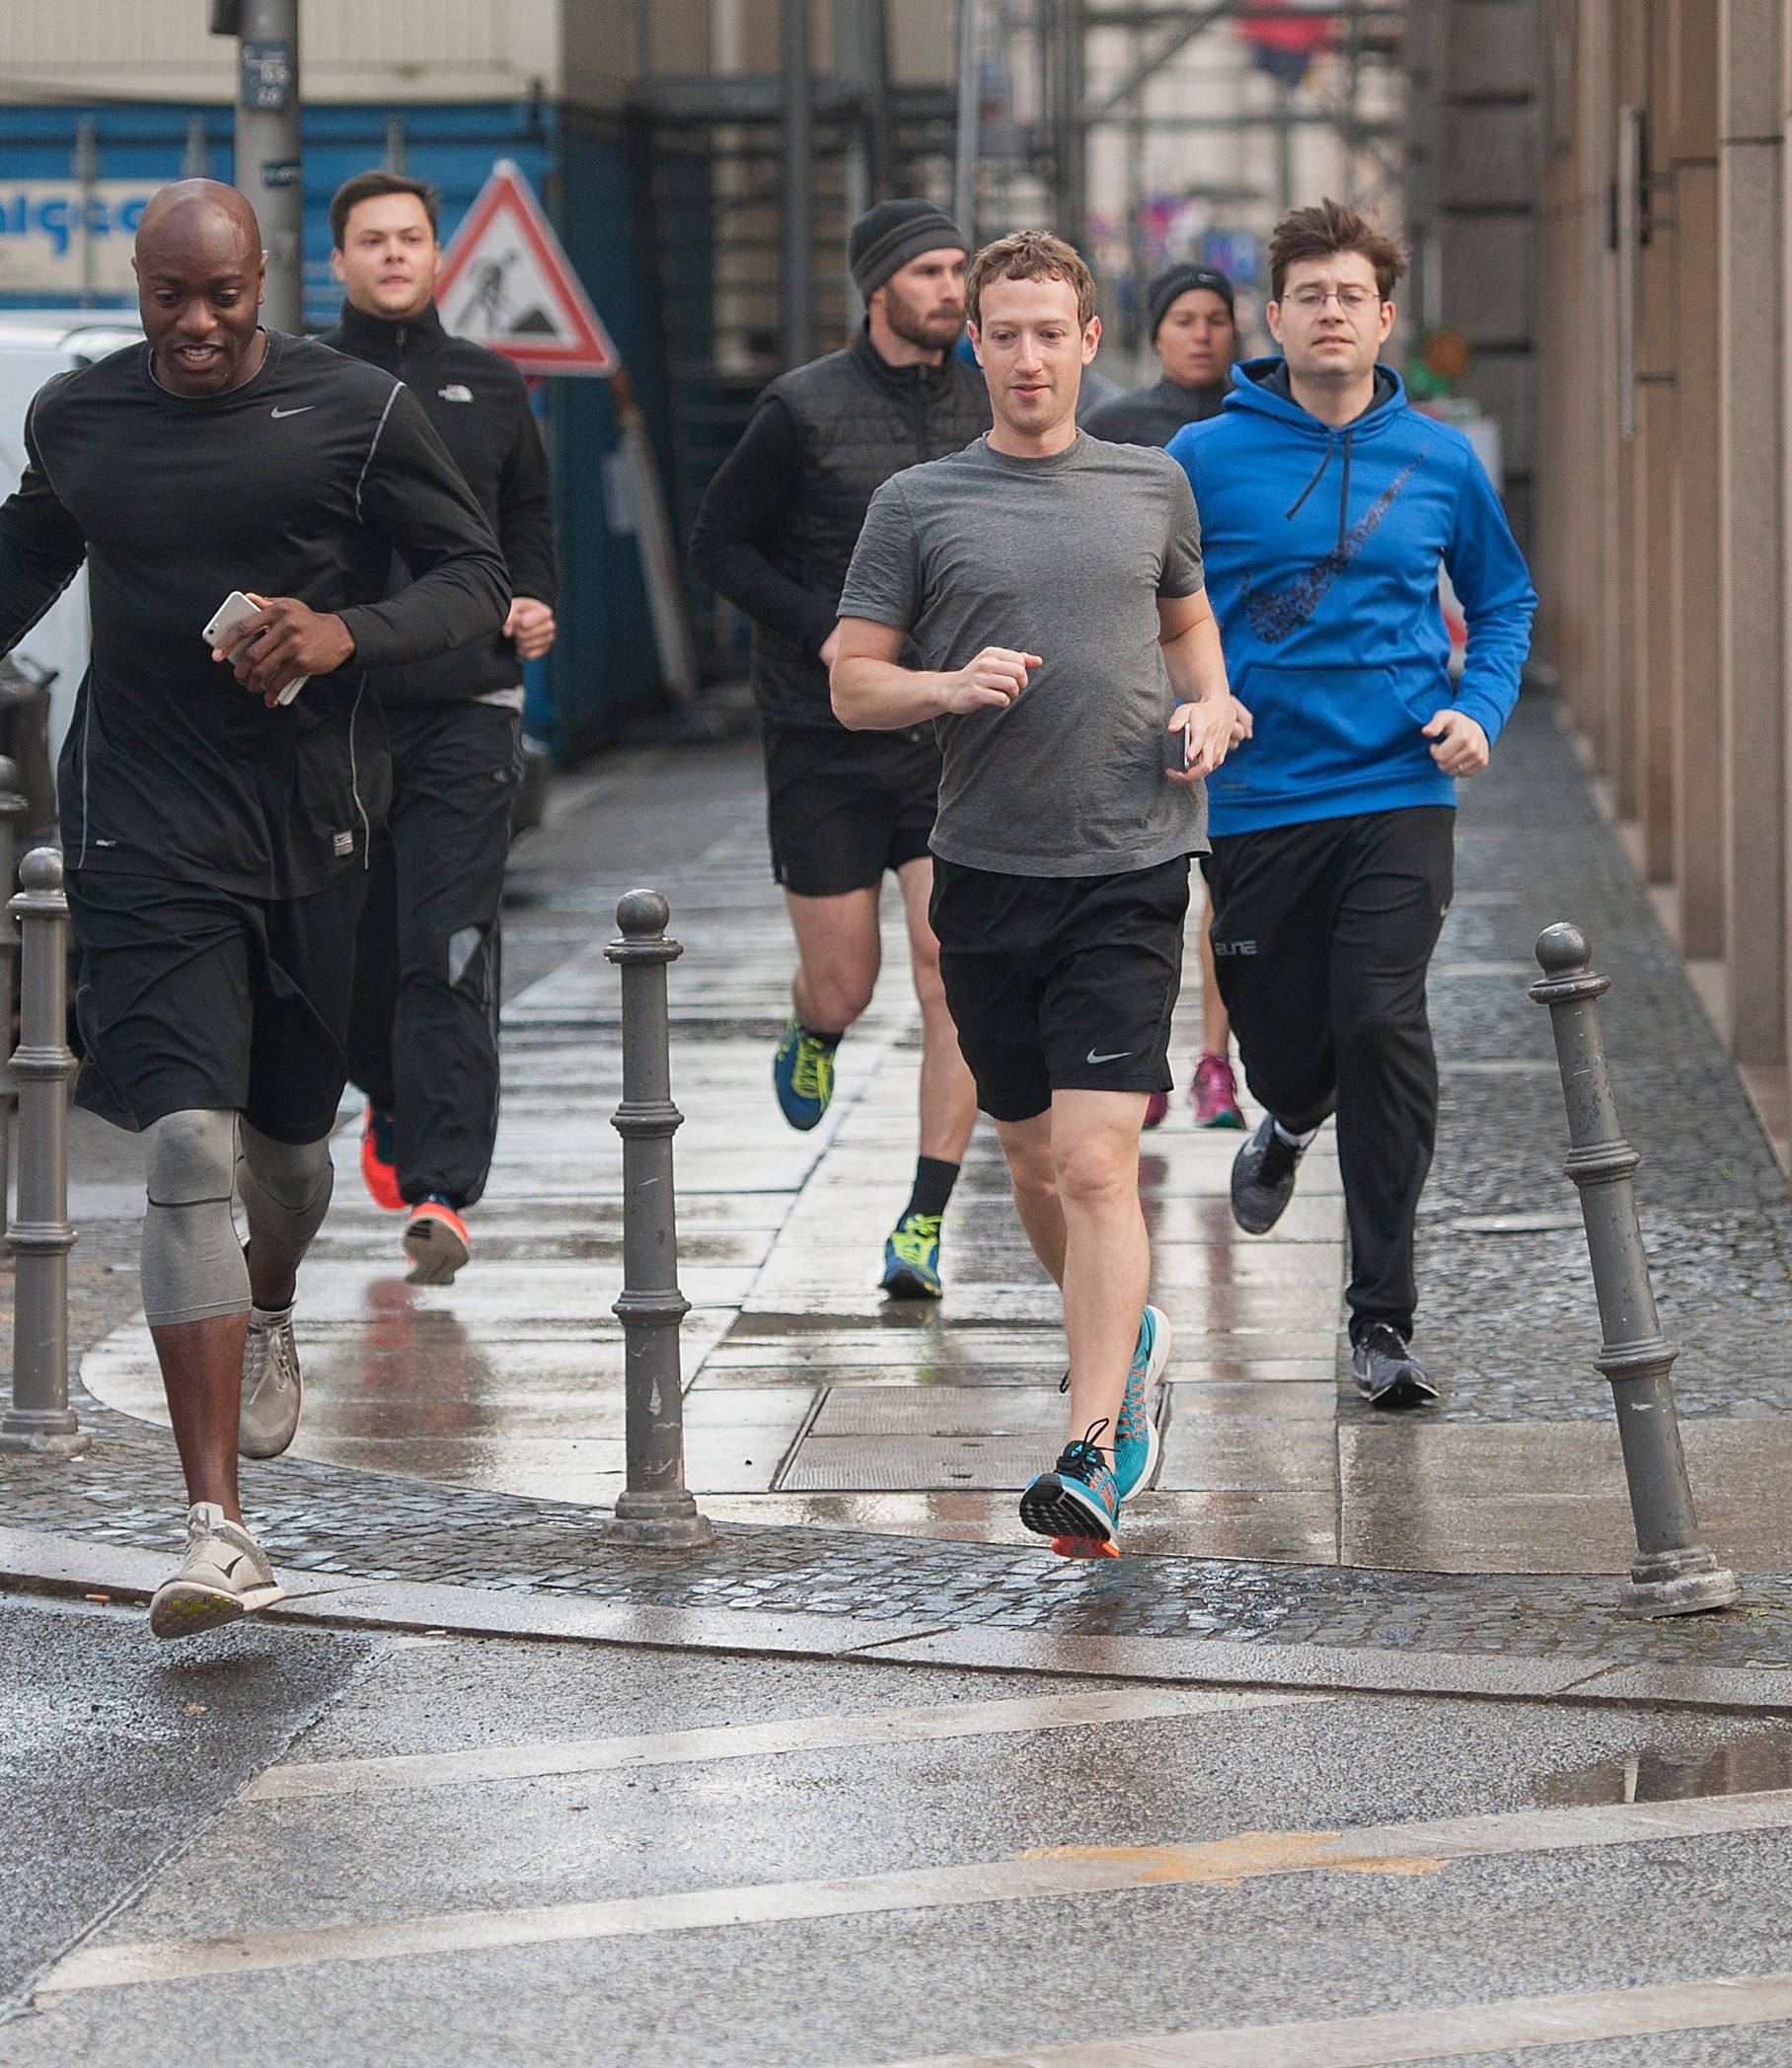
{"x":774,"y":536}
{"x":422,"y":1040}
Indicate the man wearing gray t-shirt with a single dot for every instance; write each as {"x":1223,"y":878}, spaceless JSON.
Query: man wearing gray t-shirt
{"x":1052,"y":587}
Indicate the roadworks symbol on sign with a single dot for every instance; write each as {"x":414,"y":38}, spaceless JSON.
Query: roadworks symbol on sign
{"x":505,"y":282}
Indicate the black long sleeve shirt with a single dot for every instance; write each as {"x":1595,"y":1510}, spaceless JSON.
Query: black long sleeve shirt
{"x":479,"y":407}
{"x":744,"y":511}
{"x":304,"y":482}
{"x":779,"y":519}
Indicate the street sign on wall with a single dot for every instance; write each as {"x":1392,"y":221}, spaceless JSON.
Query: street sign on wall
{"x":506,"y":282}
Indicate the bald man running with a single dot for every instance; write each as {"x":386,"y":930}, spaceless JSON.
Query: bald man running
{"x":216,"y":838}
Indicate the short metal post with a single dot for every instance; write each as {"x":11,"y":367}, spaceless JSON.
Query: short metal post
{"x":13,"y":807}
{"x":1672,"y":1573}
{"x":656,"y":1509}
{"x":38,"y":1421}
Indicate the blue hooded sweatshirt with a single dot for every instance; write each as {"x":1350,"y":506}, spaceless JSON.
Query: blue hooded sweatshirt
{"x":1323,"y":549}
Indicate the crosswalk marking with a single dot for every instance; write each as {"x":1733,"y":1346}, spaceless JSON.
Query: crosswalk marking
{"x":1063,"y":1871}
{"x":1448,"y":2032}
{"x":588,"y":1755}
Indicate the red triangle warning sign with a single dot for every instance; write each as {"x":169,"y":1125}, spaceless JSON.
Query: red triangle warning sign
{"x":505,"y":282}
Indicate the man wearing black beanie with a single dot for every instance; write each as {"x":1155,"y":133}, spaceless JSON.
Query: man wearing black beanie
{"x":774,"y":536}
{"x":1193,"y":329}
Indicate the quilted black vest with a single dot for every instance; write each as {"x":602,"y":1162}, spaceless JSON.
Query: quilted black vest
{"x":860,"y":421}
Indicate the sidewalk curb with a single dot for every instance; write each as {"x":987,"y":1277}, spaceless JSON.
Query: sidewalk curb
{"x":33,"y":1562}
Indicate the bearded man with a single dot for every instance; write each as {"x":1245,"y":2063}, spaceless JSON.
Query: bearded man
{"x":774,"y":536}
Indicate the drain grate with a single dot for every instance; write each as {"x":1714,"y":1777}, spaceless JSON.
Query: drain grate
{"x":941,"y":1410}
{"x":916,"y":1465}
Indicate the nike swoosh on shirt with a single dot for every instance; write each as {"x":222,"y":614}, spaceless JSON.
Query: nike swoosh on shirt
{"x":299,"y":412}
{"x":1115,"y":1057}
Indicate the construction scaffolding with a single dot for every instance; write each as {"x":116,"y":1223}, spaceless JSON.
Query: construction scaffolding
{"x":1143,"y":132}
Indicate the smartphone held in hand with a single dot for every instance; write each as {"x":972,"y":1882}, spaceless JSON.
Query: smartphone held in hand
{"x":234,"y":611}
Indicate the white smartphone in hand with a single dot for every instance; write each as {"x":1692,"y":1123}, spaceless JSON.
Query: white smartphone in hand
{"x":237,"y":609}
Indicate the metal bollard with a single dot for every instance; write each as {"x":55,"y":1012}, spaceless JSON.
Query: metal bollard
{"x":655,"y":1511}
{"x":1672,"y":1573}
{"x":39,"y":1422}
{"x":14,"y":804}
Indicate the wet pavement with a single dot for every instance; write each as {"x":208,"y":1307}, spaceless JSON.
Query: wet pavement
{"x":872,"y":1782}
{"x":139,"y":1743}
{"x":398,"y":1850}
{"x":814,"y":1402}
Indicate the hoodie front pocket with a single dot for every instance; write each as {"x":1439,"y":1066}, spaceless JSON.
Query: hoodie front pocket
{"x":1318,"y":728}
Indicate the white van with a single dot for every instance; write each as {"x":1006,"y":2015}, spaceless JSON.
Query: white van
{"x":36,"y":345}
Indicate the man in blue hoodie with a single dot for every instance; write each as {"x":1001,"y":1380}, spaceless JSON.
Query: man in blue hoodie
{"x":1327,"y":506}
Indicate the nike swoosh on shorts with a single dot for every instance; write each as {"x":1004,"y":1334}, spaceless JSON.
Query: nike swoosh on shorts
{"x":1115,"y":1057}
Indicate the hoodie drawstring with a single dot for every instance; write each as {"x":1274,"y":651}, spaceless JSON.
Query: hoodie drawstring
{"x":1294,"y":507}
{"x":1344,"y":494}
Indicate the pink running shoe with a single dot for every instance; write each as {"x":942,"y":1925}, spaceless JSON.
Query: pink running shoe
{"x":1215,"y":1092}
{"x":1156,"y":1112}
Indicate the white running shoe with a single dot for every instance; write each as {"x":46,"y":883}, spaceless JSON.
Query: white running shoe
{"x":273,"y":1391}
{"x":224,"y":1575}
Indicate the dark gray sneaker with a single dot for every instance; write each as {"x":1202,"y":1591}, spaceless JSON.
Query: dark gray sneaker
{"x":1263,"y":1178}
{"x":1388,"y":1373}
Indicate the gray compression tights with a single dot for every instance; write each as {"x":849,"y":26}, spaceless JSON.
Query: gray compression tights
{"x":192,"y":1261}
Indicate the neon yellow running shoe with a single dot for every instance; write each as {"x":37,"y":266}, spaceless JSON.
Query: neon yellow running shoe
{"x":911,"y":1258}
{"x":802,"y":1070}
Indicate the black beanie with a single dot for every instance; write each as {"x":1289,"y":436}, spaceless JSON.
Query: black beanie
{"x":884,"y":239}
{"x":1176,"y":281}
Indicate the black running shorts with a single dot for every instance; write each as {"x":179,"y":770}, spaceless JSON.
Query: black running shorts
{"x":1060,"y":983}
{"x":192,"y":997}
{"x":845,"y":806}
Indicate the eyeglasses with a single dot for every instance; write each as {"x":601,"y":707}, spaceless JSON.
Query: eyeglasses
{"x":1352,"y":301}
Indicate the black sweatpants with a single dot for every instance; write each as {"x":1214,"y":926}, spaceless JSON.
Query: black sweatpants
{"x":422,"y":1034}
{"x":1322,"y":936}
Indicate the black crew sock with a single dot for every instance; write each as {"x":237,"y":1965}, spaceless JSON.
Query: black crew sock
{"x":830,"y":1042}
{"x":935,"y":1178}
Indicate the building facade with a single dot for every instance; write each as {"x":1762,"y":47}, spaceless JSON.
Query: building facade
{"x":1664,"y":412}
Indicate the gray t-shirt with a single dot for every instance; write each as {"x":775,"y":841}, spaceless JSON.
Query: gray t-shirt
{"x":1066,"y":558}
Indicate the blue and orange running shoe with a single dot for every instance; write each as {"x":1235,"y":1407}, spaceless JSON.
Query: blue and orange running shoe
{"x":1135,"y":1446}
{"x":377,"y":1160}
{"x":1077,"y":1504}
{"x":803,"y":1072}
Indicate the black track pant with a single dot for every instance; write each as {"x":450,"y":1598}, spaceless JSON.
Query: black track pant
{"x":1322,"y":936}
{"x":423,"y":1035}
